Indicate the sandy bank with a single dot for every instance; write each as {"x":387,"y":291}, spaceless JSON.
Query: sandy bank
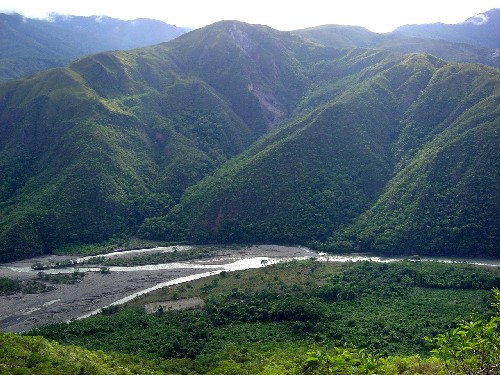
{"x":21,"y":312}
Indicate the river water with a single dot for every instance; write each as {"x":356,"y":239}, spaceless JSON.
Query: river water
{"x":257,"y":262}
{"x":202,"y":268}
{"x":239,"y":265}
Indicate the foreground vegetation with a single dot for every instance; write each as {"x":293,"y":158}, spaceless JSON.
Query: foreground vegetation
{"x":35,"y":355}
{"x":303,"y":317}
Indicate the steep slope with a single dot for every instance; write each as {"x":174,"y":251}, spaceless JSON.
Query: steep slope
{"x":31,"y":45}
{"x":444,"y":198}
{"x":91,"y":150}
{"x":258,"y":68}
{"x":313,"y":176}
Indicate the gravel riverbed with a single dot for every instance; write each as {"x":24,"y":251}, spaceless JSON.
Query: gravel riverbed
{"x":22,"y":312}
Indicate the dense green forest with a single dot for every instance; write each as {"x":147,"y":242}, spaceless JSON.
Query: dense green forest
{"x":291,"y":318}
{"x":239,"y":133}
{"x":389,"y":173}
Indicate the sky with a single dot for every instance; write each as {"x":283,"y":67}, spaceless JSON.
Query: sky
{"x":376,"y":15}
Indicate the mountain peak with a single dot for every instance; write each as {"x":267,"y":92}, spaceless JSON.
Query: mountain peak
{"x":254,"y":61}
{"x":478,"y":19}
{"x":491,"y":16}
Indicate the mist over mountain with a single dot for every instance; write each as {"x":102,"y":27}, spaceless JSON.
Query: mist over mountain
{"x":29,"y":45}
{"x":461,"y":43}
{"x":238,"y":133}
{"x":480,"y":30}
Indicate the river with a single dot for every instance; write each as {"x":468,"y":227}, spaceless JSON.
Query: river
{"x":122,"y":284}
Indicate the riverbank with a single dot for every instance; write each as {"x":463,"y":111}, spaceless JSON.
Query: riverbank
{"x":116,"y":285}
{"x":21,"y":312}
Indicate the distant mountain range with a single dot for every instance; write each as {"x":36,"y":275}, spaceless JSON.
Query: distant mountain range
{"x":481,"y":30}
{"x":29,"y":45}
{"x":475,"y":40}
{"x":238,"y":133}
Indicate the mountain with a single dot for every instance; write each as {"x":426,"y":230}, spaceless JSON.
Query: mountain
{"x":481,"y":30}
{"x":241,"y":133}
{"x":338,"y":36}
{"x":465,"y":49}
{"x":443,"y":196}
{"x":402,"y":162}
{"x":89,"y":151}
{"x":31,"y":45}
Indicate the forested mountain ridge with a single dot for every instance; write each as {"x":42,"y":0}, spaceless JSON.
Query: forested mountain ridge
{"x":30,"y":45}
{"x":116,"y":144}
{"x":475,"y":40}
{"x":318,"y":173}
{"x":482,"y":29}
{"x":444,"y":197}
{"x":90,"y":150}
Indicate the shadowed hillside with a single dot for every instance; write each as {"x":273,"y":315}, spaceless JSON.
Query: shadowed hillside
{"x":241,"y":133}
{"x":481,"y":30}
{"x":419,"y":120}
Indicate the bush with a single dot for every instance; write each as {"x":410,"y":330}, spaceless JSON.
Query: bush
{"x":473,"y":347}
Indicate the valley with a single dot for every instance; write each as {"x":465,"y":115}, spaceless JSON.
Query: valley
{"x":254,"y":319}
{"x":21,"y":312}
{"x":245,"y":309}
{"x":244,"y":200}
{"x":102,"y":285}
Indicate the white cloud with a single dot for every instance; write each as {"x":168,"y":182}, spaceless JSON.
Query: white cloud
{"x":478,"y":19}
{"x":380,"y":16}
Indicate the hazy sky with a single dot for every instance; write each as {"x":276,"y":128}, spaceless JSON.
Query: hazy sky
{"x":375,"y":15}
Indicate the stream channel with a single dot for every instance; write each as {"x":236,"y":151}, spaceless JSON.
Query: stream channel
{"x":98,"y":290}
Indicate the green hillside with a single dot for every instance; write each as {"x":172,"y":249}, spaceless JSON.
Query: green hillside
{"x":403,"y":40}
{"x":419,"y":120}
{"x":31,"y":45}
{"x":444,"y":198}
{"x":36,"y":355}
{"x":241,"y":133}
{"x":90,"y":150}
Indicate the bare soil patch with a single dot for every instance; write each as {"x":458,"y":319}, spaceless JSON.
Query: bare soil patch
{"x":182,"y":304}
